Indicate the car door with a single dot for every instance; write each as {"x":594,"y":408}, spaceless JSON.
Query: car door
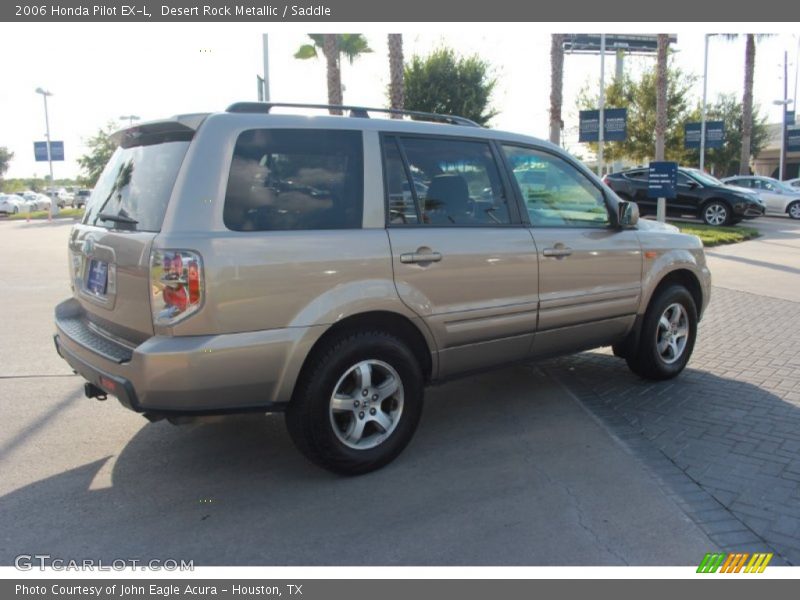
{"x":773,"y":199}
{"x":589,"y":269}
{"x":687,"y":196}
{"x":462,"y":259}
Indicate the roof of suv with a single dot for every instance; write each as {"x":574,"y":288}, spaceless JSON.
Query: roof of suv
{"x":257,"y":116}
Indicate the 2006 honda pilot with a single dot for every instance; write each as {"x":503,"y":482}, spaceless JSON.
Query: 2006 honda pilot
{"x":333,"y":266}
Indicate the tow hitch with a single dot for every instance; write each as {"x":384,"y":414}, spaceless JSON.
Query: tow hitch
{"x":92,"y":391}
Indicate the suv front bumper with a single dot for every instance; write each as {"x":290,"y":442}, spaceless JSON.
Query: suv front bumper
{"x":181,"y":375}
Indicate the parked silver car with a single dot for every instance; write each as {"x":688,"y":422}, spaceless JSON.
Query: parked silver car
{"x":331,"y":267}
{"x":779,"y":197}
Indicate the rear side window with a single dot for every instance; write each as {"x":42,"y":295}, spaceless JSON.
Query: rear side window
{"x":294,"y":179}
{"x":134,"y":189}
{"x":444,"y":182}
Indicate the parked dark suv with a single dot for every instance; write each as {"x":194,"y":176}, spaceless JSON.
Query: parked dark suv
{"x":698,"y":194}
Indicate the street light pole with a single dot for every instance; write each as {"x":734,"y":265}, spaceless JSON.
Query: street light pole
{"x":600,"y":133}
{"x":783,"y":104}
{"x":703,"y":108}
{"x":53,"y":201}
{"x":130,"y":119}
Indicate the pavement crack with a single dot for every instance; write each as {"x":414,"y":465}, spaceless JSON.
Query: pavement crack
{"x":582,"y":522}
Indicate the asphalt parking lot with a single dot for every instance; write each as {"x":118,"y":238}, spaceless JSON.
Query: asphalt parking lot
{"x":573,"y":461}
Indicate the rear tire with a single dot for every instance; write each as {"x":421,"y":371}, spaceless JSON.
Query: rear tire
{"x":357,"y":403}
{"x":669,"y":330}
{"x":716,"y":213}
{"x":793,"y":210}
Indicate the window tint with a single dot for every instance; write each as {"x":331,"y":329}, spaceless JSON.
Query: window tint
{"x":135,"y":186}
{"x":454,"y":182}
{"x":284,"y":179}
{"x":739,"y":182}
{"x":636,"y":175}
{"x":684,"y":180}
{"x":555,"y":193}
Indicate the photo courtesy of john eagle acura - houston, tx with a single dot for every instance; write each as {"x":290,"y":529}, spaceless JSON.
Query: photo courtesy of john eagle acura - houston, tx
{"x":332,"y":267}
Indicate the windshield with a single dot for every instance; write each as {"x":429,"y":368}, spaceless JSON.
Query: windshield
{"x":135,"y":187}
{"x":704,"y":178}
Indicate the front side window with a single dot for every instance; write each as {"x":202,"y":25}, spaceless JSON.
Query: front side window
{"x":555,"y":193}
{"x":445,"y":182}
{"x":295,"y":179}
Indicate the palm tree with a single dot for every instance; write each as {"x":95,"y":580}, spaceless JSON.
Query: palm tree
{"x":661,"y":109}
{"x":747,"y":95}
{"x":333,"y":45}
{"x":556,"y":85}
{"x":661,"y":94}
{"x":396,"y":81}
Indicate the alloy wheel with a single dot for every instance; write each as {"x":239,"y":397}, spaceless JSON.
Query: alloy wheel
{"x":366,"y":404}
{"x":672,"y":333}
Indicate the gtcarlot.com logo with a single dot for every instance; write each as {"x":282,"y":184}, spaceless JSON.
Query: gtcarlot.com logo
{"x":734,"y":562}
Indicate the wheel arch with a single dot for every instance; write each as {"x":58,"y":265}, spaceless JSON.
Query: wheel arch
{"x":396,"y":324}
{"x":679,"y":276}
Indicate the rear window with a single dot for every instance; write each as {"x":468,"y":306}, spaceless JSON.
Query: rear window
{"x":294,"y":179}
{"x":134,"y":188}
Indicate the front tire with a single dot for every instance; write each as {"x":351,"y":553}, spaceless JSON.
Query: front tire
{"x":793,"y":209}
{"x":668,"y":334}
{"x":716,"y":213}
{"x":357,"y":403}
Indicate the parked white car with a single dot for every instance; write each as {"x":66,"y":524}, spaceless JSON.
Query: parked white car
{"x":38,"y":201}
{"x":778,"y":196}
{"x":12,"y":204}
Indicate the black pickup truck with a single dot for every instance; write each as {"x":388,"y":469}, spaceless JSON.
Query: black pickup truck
{"x":698,"y":194}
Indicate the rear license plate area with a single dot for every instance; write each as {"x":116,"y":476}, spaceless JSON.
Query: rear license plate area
{"x":97,"y":278}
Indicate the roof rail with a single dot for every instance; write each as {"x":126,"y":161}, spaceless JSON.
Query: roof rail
{"x":355,"y":111}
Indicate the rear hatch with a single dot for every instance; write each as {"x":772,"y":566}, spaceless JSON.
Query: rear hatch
{"x":110,"y":249}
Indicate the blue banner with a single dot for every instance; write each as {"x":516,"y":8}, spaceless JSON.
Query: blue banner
{"x":615,"y":130}
{"x":56,"y":151}
{"x":715,"y":135}
{"x":793,"y":139}
{"x":662,"y":178}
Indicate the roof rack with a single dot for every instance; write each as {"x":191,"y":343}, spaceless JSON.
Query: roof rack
{"x":355,"y":111}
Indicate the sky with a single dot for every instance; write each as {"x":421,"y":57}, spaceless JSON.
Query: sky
{"x":98,"y":72}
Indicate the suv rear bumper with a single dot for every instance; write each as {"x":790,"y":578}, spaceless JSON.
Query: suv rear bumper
{"x":182,"y":375}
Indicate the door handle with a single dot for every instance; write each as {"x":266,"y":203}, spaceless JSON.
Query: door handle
{"x":420,"y":257}
{"x":557,"y":252}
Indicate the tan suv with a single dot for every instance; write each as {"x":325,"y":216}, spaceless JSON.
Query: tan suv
{"x":333,"y":266}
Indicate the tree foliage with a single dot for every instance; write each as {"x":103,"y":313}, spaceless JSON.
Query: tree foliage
{"x":352,"y":45}
{"x":333,"y":46}
{"x":445,"y":83}
{"x":101,"y":147}
{"x":639,"y":97}
{"x":724,"y":161}
{"x":5,"y":160}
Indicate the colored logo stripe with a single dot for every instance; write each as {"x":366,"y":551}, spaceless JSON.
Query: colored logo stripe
{"x":758,"y":563}
{"x":734,"y":562}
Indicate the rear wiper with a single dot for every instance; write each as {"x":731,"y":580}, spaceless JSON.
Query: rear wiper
{"x":117,"y":219}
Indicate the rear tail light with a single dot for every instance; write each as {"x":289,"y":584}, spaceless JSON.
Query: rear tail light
{"x":176,"y":285}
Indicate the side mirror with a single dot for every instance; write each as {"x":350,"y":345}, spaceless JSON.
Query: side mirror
{"x":628,"y":214}
{"x":693,"y":184}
